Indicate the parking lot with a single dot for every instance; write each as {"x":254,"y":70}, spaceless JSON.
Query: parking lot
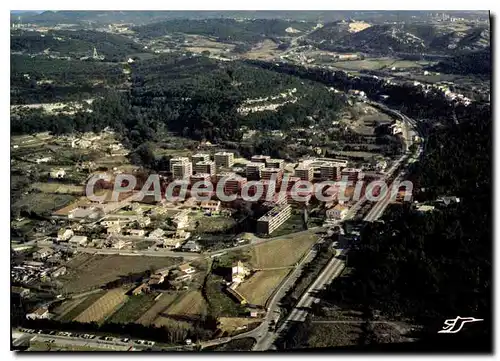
{"x":88,"y":339}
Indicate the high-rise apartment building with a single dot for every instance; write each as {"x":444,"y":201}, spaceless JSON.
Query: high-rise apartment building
{"x":224,"y":159}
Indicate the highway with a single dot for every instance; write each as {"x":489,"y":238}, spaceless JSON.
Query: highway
{"x":273,"y":309}
{"x":335,"y":266}
{"x":299,"y":313}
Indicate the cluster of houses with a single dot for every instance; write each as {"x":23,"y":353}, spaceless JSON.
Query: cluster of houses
{"x":176,"y":278}
{"x":31,"y":271}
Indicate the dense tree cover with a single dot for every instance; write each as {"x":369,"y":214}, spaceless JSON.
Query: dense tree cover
{"x":43,"y":80}
{"x":410,"y":99}
{"x":75,"y":43}
{"x":199,"y":97}
{"x":196,"y":97}
{"x":478,"y":62}
{"x":228,"y":30}
{"x":389,"y":38}
{"x":434,"y":266}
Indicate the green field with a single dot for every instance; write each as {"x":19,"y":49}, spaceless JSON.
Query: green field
{"x":82,"y":306}
{"x":133,"y":309}
{"x":220,"y":303}
{"x":44,"y":203}
{"x":377,"y":64}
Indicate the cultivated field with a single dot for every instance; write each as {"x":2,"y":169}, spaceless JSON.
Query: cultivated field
{"x":67,"y":306}
{"x":264,"y":51}
{"x":134,"y":308}
{"x":73,"y":309}
{"x":98,"y":270}
{"x":199,"y":44}
{"x":160,"y":306}
{"x":192,"y":304}
{"x":286,"y":251}
{"x":260,"y":285}
{"x":103,"y":307}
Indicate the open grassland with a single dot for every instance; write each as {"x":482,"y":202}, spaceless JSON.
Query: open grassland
{"x":286,"y":251}
{"x":230,"y":324}
{"x":41,"y":203}
{"x":133,"y":308}
{"x":376,"y":64}
{"x":103,"y":307}
{"x":98,"y":270}
{"x":191,"y":304}
{"x":77,"y":309}
{"x":259,"y":287}
{"x":264,"y":50}
{"x":53,"y":187}
{"x":205,"y":224}
{"x":161,"y":305}
{"x":220,"y":303}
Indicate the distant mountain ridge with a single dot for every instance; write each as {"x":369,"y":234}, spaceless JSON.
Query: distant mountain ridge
{"x":146,"y":17}
{"x":411,"y":38}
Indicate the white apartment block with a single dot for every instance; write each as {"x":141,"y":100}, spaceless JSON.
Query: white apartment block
{"x":268,"y":173}
{"x":305,"y":173}
{"x":206,"y":166}
{"x":200,"y":157}
{"x":260,"y":158}
{"x":224,"y":159}
{"x":273,"y":219}
{"x":182,"y":170}
{"x":275,"y":163}
{"x":253,"y":170}
{"x":330,"y":171}
{"x":177,"y":160}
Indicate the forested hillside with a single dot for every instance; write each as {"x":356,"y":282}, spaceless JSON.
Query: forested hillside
{"x":434,"y":266}
{"x":407,"y":38}
{"x":197,"y":97}
{"x":228,"y":30}
{"x":74,"y":44}
{"x":45,"y":80}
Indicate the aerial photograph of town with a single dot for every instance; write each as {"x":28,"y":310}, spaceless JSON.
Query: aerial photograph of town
{"x":280,"y":181}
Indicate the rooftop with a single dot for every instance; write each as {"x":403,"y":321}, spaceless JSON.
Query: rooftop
{"x":274,"y":212}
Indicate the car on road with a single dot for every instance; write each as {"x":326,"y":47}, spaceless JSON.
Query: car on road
{"x":125,"y":340}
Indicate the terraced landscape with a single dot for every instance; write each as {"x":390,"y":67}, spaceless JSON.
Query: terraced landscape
{"x":103,"y":307}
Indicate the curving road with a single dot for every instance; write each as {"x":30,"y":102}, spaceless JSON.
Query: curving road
{"x":265,"y":337}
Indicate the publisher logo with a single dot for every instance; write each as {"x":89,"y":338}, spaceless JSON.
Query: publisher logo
{"x":456,"y":324}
